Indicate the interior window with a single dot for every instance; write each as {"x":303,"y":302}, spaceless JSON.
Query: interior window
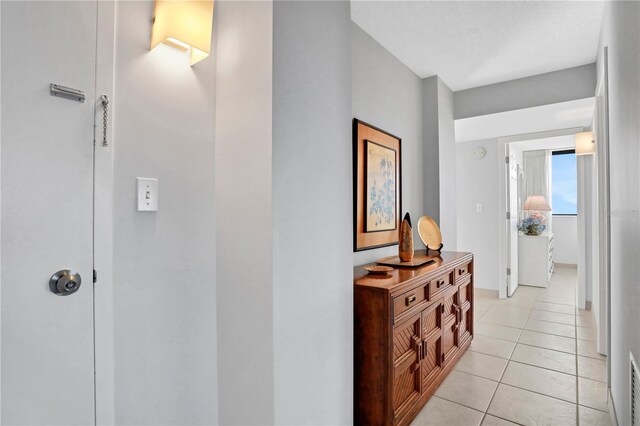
{"x":564,"y":183}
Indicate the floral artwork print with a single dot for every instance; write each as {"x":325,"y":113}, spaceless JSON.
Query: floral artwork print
{"x":380,"y":186}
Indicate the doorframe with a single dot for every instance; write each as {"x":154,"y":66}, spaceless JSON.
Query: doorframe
{"x":502,"y":196}
{"x":103,"y":342}
{"x":604,"y":219}
{"x":512,"y":277}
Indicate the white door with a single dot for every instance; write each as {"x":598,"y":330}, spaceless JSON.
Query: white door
{"x":512,"y":224}
{"x":47,"y":366}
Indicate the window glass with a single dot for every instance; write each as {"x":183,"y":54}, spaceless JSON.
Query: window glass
{"x":564,"y":183}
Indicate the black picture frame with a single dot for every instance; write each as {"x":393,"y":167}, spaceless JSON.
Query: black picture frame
{"x":379,"y":239}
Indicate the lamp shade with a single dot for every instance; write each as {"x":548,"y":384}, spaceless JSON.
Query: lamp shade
{"x":185,"y":25}
{"x":536,"y":203}
{"x":585,"y":144}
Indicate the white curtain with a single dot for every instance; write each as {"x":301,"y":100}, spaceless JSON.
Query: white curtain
{"x":537,"y":178}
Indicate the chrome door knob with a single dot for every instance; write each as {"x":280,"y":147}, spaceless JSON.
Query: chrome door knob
{"x":65,"y":282}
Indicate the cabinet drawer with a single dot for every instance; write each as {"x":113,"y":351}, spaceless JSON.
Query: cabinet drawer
{"x":462,"y":271}
{"x":440,"y":284}
{"x":408,"y":300}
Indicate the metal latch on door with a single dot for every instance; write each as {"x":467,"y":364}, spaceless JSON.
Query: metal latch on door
{"x":65,"y":282}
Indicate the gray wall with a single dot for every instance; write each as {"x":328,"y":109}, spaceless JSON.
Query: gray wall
{"x":312,"y":242}
{"x":164,"y":270}
{"x":543,"y":89}
{"x":431,"y":150}
{"x":387,"y":94}
{"x":243,"y":48}
{"x":447,"y":166}
{"x":620,"y":34}
{"x":439,"y":157}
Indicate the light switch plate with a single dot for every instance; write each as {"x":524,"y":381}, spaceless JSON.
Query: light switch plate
{"x":147,"y":194}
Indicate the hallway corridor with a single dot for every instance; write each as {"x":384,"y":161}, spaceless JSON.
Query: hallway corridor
{"x":532,"y":362}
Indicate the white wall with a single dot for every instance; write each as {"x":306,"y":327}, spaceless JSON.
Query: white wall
{"x":164,"y":262}
{"x":564,"y":115}
{"x":620,"y":33}
{"x":312,"y":235}
{"x":386,"y":94}
{"x":477,"y":183}
{"x":565,"y":239}
{"x":243,"y":193}
{"x":542,"y":89}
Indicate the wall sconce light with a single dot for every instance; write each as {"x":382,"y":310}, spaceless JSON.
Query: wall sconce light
{"x":185,"y":25}
{"x":585,"y":144}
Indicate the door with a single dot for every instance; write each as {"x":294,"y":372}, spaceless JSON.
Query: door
{"x":47,"y":367}
{"x":512,"y":223}
{"x":450,"y":325}
{"x":406,"y":365}
{"x":601,"y":290}
{"x":465,"y":296}
{"x":431,"y":364}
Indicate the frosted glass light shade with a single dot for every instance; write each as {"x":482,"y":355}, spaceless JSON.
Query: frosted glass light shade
{"x":185,"y":25}
{"x":585,"y":144}
{"x":536,"y":203}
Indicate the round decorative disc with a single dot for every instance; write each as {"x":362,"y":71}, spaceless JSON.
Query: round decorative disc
{"x":429,"y":232}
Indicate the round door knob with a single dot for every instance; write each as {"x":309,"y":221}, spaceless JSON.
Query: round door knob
{"x":65,"y":282}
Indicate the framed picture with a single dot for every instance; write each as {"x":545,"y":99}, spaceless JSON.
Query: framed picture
{"x":377,"y":186}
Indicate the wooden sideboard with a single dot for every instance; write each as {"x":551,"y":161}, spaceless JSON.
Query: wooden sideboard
{"x":411,"y":327}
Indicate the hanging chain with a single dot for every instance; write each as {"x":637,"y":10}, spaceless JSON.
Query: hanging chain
{"x":105,"y":105}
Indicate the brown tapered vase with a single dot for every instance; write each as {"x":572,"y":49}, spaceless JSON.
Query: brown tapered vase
{"x":405,"y":240}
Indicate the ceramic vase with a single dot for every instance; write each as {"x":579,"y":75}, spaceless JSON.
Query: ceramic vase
{"x":405,"y":240}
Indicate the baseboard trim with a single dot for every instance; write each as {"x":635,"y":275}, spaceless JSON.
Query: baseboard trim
{"x":565,"y":265}
{"x":612,"y":409}
{"x":486,"y":292}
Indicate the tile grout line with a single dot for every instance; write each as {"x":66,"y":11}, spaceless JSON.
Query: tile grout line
{"x":461,"y":404}
{"x":542,"y":368}
{"x":593,"y":408}
{"x":498,"y":338}
{"x":499,"y":383}
{"x":545,"y":347}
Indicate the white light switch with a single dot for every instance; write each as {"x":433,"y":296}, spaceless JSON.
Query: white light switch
{"x":479,"y":207}
{"x":147,"y":195}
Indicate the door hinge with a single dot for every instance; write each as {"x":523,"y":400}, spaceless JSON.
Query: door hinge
{"x":506,"y":159}
{"x":508,"y":215}
{"x":95,"y":276}
{"x":508,"y":271}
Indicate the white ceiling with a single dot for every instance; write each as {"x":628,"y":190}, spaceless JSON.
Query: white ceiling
{"x":563,"y":115}
{"x":474,"y":43}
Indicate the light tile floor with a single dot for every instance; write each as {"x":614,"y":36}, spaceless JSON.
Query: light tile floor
{"x":533,"y":361}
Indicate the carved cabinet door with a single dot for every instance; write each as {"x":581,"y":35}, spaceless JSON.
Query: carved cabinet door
{"x":466,"y":318}
{"x":406,"y":365}
{"x":450,"y":325}
{"x":431,"y":364}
